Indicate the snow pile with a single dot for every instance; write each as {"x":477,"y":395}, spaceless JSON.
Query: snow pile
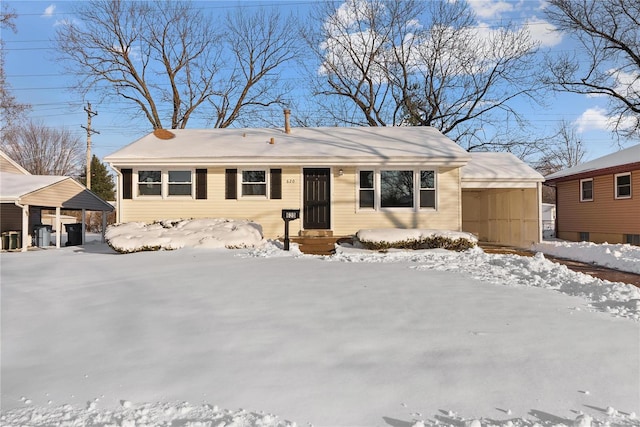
{"x":131,"y":415}
{"x":175,"y":234}
{"x":617,"y":256}
{"x":619,"y":299}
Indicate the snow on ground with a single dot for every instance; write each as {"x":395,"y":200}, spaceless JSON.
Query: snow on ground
{"x":402,"y":338}
{"x":617,"y":256}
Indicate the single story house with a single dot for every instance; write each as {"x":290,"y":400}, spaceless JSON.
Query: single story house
{"x":341,"y":180}
{"x":23,"y":197}
{"x":599,"y":200}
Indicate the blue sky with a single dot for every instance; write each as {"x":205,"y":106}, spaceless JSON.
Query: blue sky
{"x":36,"y":78}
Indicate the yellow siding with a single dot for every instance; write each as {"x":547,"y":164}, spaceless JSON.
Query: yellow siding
{"x":7,"y":167}
{"x":605,"y":218}
{"x":267,"y":213}
{"x":506,"y":216}
{"x":348,"y":220}
{"x":345,"y":218}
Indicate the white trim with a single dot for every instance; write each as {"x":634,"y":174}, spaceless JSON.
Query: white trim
{"x":377,"y":190}
{"x":581,"y":189}
{"x":164,"y":184}
{"x":267,"y":184}
{"x":615,"y":185}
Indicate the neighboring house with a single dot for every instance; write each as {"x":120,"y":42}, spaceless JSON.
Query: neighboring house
{"x":548,"y":220}
{"x":23,"y":197}
{"x":341,"y":179}
{"x":599,"y":201}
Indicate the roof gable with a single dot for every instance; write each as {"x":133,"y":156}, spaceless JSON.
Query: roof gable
{"x":8,"y":165}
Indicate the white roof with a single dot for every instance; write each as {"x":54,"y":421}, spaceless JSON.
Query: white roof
{"x":620,"y":158}
{"x":496,"y":170}
{"x":14,"y":186}
{"x":308,"y":146}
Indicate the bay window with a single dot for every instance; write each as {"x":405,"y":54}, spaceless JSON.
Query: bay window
{"x":396,"y":189}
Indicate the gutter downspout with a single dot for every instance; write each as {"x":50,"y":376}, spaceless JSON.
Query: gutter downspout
{"x":118,"y":194}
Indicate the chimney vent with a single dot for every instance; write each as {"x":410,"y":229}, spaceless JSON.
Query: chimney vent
{"x":272,"y":141}
{"x":287,"y":125}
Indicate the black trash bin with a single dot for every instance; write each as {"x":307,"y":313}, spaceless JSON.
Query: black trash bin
{"x":42,"y":235}
{"x":74,"y":234}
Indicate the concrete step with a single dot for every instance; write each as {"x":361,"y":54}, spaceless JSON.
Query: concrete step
{"x":316,"y":245}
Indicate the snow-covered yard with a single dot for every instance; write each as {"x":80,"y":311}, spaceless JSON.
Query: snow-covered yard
{"x":402,"y":338}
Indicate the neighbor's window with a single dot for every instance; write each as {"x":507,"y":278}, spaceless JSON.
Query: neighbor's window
{"x":179,"y":183}
{"x":396,"y":189}
{"x":623,"y":186}
{"x":632,"y":239}
{"x":427,"y":189}
{"x":586,"y":190}
{"x":367,"y":191}
{"x":254,"y":183}
{"x":149,"y":183}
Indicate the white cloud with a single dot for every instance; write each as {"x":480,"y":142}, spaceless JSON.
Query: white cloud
{"x":48,"y":12}
{"x":490,"y":8}
{"x":543,"y":32}
{"x":596,"y":118}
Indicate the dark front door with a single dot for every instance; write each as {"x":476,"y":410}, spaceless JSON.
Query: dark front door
{"x":316,"y":199}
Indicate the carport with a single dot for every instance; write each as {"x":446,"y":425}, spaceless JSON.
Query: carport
{"x":23,"y":197}
{"x":502,"y":200}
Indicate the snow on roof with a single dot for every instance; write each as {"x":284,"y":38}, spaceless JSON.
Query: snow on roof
{"x":13,"y":186}
{"x":357,"y":145}
{"x":497,"y":168}
{"x":619,"y":158}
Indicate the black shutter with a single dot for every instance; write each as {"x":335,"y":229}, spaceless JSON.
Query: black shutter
{"x":201,"y":184}
{"x":276,"y":183}
{"x":231,"y":184}
{"x":127,"y":183}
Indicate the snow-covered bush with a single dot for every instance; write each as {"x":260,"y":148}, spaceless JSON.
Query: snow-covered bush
{"x":395,"y":238}
{"x":179,"y":233}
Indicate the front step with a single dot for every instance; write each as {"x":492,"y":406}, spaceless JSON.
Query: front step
{"x":317,"y":245}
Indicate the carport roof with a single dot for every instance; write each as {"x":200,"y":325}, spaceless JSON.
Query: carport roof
{"x":498,"y":170}
{"x":49,"y":191}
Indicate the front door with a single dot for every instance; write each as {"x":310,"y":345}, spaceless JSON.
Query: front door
{"x":316,"y":199}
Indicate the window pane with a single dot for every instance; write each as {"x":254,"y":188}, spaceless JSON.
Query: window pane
{"x":366,"y":198}
{"x":254,"y":189}
{"x":427,"y":198}
{"x":149,"y":176}
{"x":427,"y":179}
{"x":179,"y":176}
{"x":366,"y":179}
{"x":623,"y":185}
{"x":624,"y":180}
{"x":396,"y":189}
{"x":254,"y":176}
{"x":179,"y":189}
{"x":149,"y":189}
{"x":149,"y":183}
{"x":587,"y":190}
{"x":624,"y":191}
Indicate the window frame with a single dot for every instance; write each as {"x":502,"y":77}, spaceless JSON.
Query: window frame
{"x":616,"y":186}
{"x":138,"y":183}
{"x":240,"y":183}
{"x":190,"y":182}
{"x":164,"y":184}
{"x":583,"y":181}
{"x":416,"y":174}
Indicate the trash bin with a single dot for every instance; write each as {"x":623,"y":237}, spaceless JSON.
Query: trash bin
{"x":42,"y":235}
{"x":5,"y":240}
{"x":14,"y":239}
{"x":74,"y":234}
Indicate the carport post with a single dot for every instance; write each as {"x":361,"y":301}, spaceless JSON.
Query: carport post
{"x":84,"y":225}
{"x":104,"y":224}
{"x":58,"y":228}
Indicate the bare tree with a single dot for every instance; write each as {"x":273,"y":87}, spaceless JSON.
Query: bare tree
{"x":260,"y":44}
{"x":444,"y":72}
{"x":42,"y":150}
{"x":11,"y":110}
{"x":608,"y":62}
{"x":564,"y":150}
{"x":169,"y":59}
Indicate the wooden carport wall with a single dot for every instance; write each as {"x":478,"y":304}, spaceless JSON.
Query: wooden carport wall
{"x":67,"y":194}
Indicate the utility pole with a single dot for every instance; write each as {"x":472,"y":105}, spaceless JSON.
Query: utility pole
{"x":90,"y":132}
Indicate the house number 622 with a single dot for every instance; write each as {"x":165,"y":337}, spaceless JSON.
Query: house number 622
{"x":291,"y":181}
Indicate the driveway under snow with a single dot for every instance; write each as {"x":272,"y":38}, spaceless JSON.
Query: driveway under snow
{"x":357,"y":339}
